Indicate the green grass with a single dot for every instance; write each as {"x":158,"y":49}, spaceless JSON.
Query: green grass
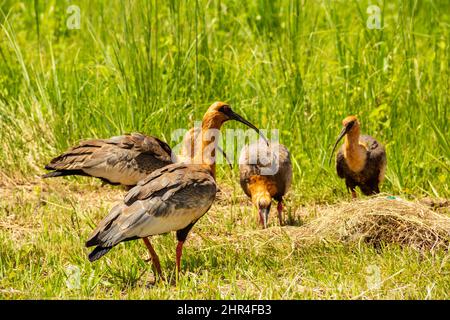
{"x":155,"y":66}
{"x":226,"y":256}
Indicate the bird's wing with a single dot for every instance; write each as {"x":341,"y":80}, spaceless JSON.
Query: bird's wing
{"x":340,"y":164}
{"x":76,"y":157}
{"x":377,"y":157}
{"x":122,"y":159}
{"x":143,"y":144}
{"x":246,"y":169}
{"x":88,"y":153}
{"x":283,"y":178}
{"x":169,"y":199}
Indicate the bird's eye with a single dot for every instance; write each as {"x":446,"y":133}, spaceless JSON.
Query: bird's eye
{"x":225,"y":109}
{"x":350,"y":125}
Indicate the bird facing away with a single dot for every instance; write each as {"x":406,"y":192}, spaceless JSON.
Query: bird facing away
{"x":169,"y":199}
{"x":361,"y":160}
{"x":265,"y":174}
{"x":123,"y":160}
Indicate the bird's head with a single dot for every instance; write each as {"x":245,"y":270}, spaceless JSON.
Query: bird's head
{"x":220,"y":112}
{"x":263,"y":201}
{"x":350,"y":126}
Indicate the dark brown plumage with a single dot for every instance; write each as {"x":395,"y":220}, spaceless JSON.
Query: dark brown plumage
{"x":123,"y":160}
{"x":361,"y":160}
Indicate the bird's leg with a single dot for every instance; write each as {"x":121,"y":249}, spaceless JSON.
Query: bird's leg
{"x":181,"y":237}
{"x":354,"y":194}
{"x":153,"y":256}
{"x":261,"y":219}
{"x":280,"y":212}
{"x":179,"y":252}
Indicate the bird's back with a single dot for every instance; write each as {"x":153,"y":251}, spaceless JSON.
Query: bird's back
{"x":122,"y":159}
{"x":272,"y":162}
{"x":169,"y":199}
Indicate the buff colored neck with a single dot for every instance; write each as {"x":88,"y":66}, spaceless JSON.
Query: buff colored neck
{"x":261,"y":191}
{"x":206,"y":154}
{"x":355,"y":153}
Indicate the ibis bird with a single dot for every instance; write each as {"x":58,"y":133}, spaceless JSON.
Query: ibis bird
{"x":361,"y":160}
{"x":265,"y":174}
{"x":172,"y":198}
{"x":123,"y":160}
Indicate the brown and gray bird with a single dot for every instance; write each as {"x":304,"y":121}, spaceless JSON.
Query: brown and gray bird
{"x":123,"y":160}
{"x":170,"y":199}
{"x":265,"y":174}
{"x":361,"y":160}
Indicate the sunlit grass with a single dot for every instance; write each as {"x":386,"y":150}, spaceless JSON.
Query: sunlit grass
{"x":150,"y":66}
{"x":43,"y":256}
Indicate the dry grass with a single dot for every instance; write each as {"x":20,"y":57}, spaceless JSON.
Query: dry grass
{"x":380,"y":220}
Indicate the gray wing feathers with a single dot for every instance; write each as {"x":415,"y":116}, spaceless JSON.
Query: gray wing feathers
{"x":169,"y":200}
{"x":122,"y":159}
{"x":377,"y":152}
{"x":271,"y":161}
{"x":75,"y":157}
{"x":340,"y":162}
{"x":168,"y":177}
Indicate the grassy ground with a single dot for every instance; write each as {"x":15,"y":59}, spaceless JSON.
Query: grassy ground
{"x":151,"y":66}
{"x":226,"y":256}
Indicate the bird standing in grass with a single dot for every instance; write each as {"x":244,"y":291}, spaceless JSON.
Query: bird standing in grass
{"x":361,"y":160}
{"x":170,"y":199}
{"x":265,"y":174}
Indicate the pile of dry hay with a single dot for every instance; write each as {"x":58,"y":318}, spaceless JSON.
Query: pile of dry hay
{"x":380,"y":219}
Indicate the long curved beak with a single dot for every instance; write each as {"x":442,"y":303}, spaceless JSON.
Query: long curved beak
{"x":339,"y":138}
{"x":264,"y":216}
{"x":233,"y":115}
{"x":226,"y":157}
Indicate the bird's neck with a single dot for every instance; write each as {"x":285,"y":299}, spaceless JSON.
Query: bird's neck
{"x":354,"y":152}
{"x":261,"y":190}
{"x":206,"y":154}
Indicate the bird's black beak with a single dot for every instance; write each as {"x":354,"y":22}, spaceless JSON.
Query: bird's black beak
{"x":264,"y":216}
{"x":234,"y":116}
{"x":339,"y":138}
{"x":226,"y":157}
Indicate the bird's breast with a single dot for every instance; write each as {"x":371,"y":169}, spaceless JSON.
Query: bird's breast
{"x":356,"y":158}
